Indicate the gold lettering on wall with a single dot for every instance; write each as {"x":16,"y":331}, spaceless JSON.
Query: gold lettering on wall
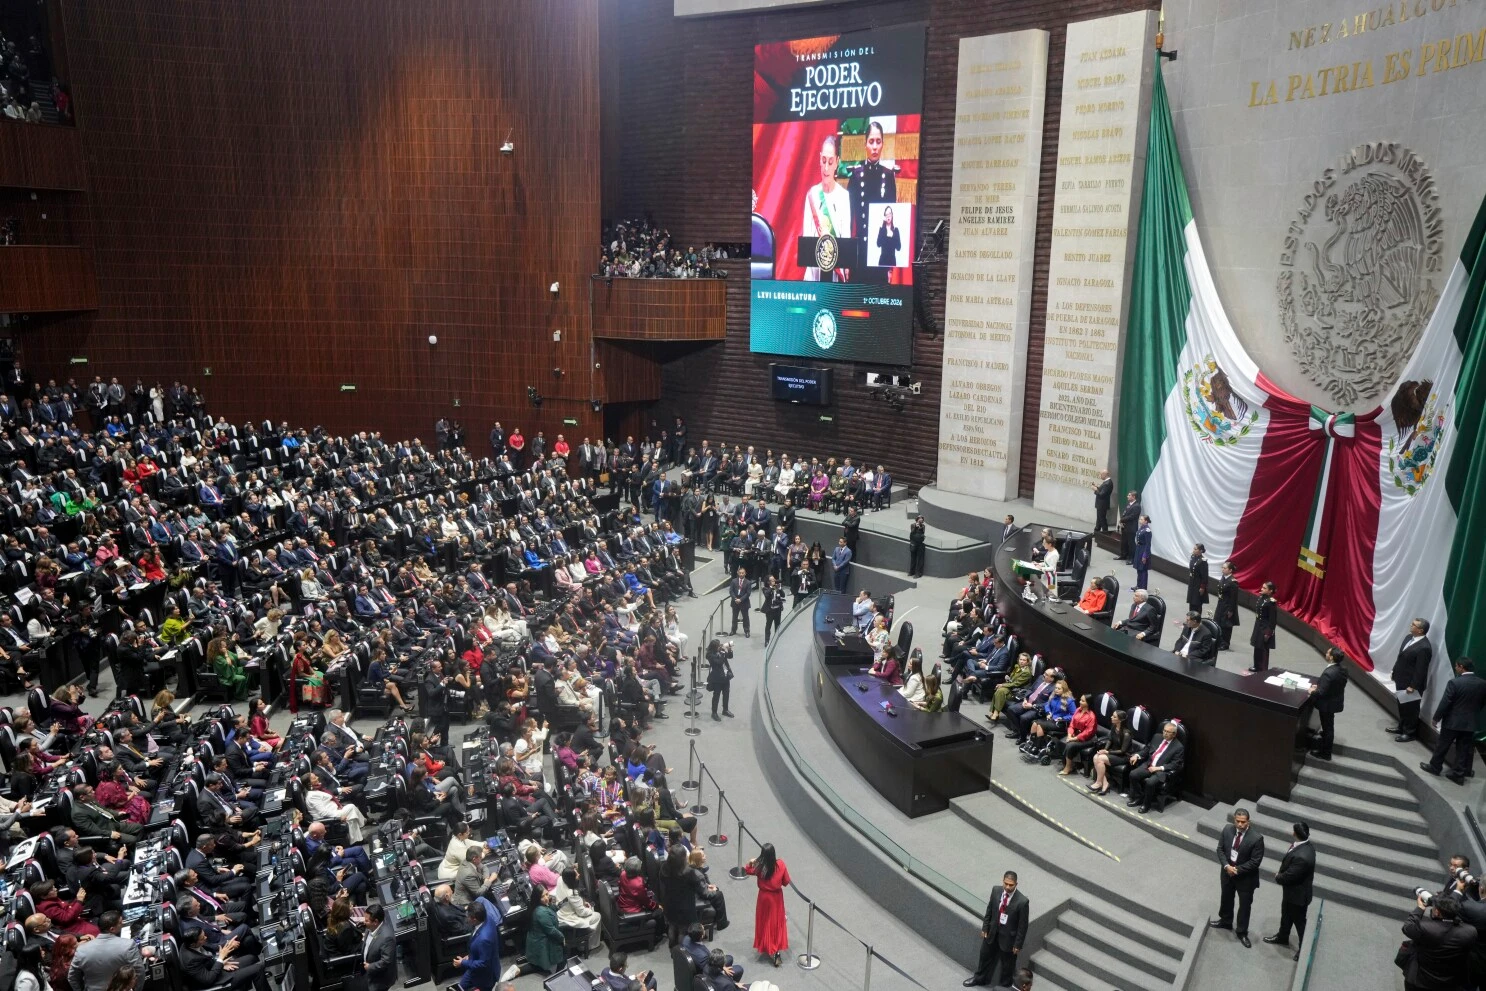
{"x":1430,"y":59}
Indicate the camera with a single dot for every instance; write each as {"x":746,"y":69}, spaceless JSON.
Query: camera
{"x":1424,"y":896}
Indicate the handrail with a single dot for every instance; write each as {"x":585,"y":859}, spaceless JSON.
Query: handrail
{"x":1302,"y":979}
{"x":807,"y":960}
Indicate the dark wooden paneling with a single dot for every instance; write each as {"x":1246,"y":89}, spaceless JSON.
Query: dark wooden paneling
{"x":297,"y":195}
{"x":682,"y":116}
{"x":46,"y":279}
{"x":40,"y":156}
{"x":660,"y":309}
{"x":631,"y":372}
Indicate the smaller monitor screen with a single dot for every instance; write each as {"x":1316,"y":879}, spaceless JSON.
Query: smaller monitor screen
{"x":800,"y":384}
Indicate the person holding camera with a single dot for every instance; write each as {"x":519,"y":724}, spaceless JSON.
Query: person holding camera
{"x":719,"y":676}
{"x":772,"y":607}
{"x":1439,"y":946}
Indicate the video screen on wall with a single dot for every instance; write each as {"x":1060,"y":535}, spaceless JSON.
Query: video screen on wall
{"x":836,"y":123}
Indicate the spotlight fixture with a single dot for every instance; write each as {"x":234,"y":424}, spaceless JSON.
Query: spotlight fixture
{"x":597,"y":405}
{"x":533,"y":396}
{"x":508,"y":146}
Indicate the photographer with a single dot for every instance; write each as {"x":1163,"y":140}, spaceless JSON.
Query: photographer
{"x":1467,"y":889}
{"x":1440,"y":944}
{"x":719,"y":676}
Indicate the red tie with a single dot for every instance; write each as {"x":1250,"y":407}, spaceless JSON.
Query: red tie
{"x":1156,"y":757}
{"x":1237,"y":839}
{"x":1005,"y":897}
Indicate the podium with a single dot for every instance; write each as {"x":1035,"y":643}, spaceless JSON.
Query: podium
{"x":849,"y":250}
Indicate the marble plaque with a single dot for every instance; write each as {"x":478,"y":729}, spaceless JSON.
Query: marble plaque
{"x":993,"y":227}
{"x":1107,"y":75}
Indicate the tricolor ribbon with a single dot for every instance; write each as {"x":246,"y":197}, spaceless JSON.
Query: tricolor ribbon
{"x":1333,"y":426}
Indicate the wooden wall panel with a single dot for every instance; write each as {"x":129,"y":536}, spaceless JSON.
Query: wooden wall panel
{"x":631,"y":372}
{"x":296,"y":196}
{"x":660,"y":309}
{"x":40,"y":156}
{"x":46,"y":278}
{"x":683,"y":107}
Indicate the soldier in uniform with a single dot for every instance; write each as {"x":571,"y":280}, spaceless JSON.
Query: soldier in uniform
{"x":871,"y":182}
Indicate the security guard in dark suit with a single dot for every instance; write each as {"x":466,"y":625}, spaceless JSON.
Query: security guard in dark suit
{"x":1411,"y":675}
{"x":871,"y":182}
{"x":1297,"y":868}
{"x":1456,"y":717}
{"x":740,"y":594}
{"x":1328,"y":697}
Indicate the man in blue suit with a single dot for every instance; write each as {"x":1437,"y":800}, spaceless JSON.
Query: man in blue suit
{"x":882,"y":488}
{"x":841,"y":562}
{"x":482,"y":967}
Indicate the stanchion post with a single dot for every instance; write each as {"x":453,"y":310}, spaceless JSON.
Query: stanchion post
{"x":693,"y":729}
{"x":808,"y":960}
{"x":692,"y":697}
{"x":695,"y":695}
{"x":718,"y":838}
{"x":698,"y":808}
{"x":738,"y":873}
{"x":691,"y":783}
{"x":867,"y":974}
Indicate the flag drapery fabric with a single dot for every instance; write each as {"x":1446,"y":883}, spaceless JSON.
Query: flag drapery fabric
{"x":1363,"y":521}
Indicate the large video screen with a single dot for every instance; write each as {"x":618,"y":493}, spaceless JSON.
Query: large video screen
{"x":836,"y":124}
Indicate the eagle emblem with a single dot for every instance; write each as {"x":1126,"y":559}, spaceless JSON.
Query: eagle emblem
{"x":827,"y":252}
{"x":1355,"y":287}
{"x":1219,"y":415}
{"x":1418,"y":423}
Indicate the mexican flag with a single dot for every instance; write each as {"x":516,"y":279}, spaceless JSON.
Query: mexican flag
{"x":1362,"y":520}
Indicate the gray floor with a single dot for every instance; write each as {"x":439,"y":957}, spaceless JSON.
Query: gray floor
{"x":1031,"y":807}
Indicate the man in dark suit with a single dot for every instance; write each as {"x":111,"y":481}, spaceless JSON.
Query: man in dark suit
{"x":1156,"y":763}
{"x":1225,"y":613}
{"x":1142,"y":618}
{"x":1297,"y":868}
{"x":1442,"y":944}
{"x":1129,"y":522}
{"x":1002,"y":933}
{"x":448,"y":918}
{"x":1008,"y":527}
{"x":1240,"y":852}
{"x":1196,"y":642}
{"x":740,"y":595}
{"x":1197,"y":579}
{"x":1411,"y":675}
{"x":227,"y":883}
{"x":1103,"y":492}
{"x":851,"y":526}
{"x":1455,"y":717}
{"x":205,"y":969}
{"x":92,"y":819}
{"x":1327,"y":697}
{"x":380,"y":952}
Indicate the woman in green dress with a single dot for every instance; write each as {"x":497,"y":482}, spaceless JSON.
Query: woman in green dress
{"x":544,"y":944}
{"x":173,"y":631}
{"x":229,"y":671}
{"x":1019,"y":677}
{"x":933,"y":700}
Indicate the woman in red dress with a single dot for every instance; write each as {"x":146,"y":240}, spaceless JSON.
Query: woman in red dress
{"x":770,"y":930}
{"x":258,"y":724}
